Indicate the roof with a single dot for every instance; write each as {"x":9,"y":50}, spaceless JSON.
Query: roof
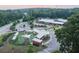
{"x":41,"y":33}
{"x":53,"y":21}
{"x":37,"y":40}
{"x":38,"y":24}
{"x":61,"y":20}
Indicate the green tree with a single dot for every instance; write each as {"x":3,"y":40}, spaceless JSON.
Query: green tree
{"x":13,"y":26}
{"x":1,"y":40}
{"x":29,"y":19}
{"x":68,"y":36}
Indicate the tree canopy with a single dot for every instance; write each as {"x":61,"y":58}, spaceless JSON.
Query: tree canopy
{"x":8,"y":16}
{"x":68,"y":36}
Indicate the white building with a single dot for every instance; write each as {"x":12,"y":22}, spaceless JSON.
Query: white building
{"x":61,"y":20}
{"x":41,"y":33}
{"x":52,"y":21}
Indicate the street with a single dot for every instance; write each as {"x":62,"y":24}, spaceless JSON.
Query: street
{"x":53,"y":45}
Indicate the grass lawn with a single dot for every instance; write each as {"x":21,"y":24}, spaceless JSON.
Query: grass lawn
{"x":1,"y":40}
{"x":33,"y":49}
{"x":20,"y":40}
{"x":18,"y":47}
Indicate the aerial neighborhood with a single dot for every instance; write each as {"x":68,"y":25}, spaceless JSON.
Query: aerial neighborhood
{"x":35,"y":30}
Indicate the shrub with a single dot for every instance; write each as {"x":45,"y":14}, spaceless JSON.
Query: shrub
{"x":32,"y":48}
{"x":1,"y":40}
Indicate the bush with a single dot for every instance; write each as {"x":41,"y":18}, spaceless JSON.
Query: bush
{"x":32,"y":49}
{"x":1,"y":40}
{"x":6,"y":36}
{"x":13,"y":26}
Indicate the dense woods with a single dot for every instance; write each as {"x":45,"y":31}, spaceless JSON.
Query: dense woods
{"x":68,"y":36}
{"x":8,"y":16}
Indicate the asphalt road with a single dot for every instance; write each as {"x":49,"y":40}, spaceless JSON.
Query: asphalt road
{"x":53,"y":45}
{"x":5,"y":29}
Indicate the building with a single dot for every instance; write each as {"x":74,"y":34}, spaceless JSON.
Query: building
{"x":38,"y":38}
{"x":52,"y":21}
{"x":61,"y":20}
{"x":39,"y":25}
{"x":41,"y":33}
{"x":26,"y":36}
{"x":37,"y":42}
